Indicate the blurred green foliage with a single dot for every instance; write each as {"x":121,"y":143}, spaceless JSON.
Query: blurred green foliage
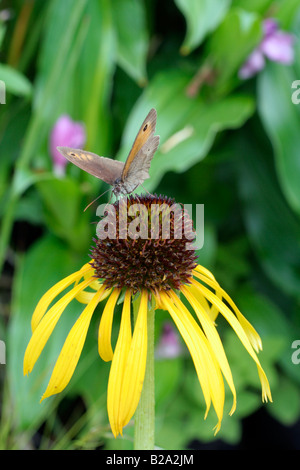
{"x":106,"y":63}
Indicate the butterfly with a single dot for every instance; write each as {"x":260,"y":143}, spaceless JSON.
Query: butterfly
{"x":124,"y":177}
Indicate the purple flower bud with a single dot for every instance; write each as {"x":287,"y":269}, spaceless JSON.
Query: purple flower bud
{"x":169,"y":345}
{"x":253,"y":64}
{"x":65,"y":133}
{"x":275,"y":45}
{"x":270,"y":26}
{"x":279,"y":47}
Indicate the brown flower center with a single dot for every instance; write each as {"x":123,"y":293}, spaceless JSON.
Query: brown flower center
{"x":144,"y":242}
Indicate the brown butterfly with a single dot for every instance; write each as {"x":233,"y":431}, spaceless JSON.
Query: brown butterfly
{"x":124,"y":177}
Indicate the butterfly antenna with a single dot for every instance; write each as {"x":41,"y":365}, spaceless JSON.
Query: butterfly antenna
{"x":96,"y":199}
{"x":110,"y":197}
{"x":146,"y":190}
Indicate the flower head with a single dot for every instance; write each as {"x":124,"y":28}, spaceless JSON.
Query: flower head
{"x":144,"y":262}
{"x":148,"y":250}
{"x":276,"y":46}
{"x":65,"y":132}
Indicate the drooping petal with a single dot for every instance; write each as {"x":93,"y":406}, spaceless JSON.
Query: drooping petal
{"x":213,"y":311}
{"x":85,"y":297}
{"x":213,"y":338}
{"x":206,"y":366}
{"x":45,"y":327}
{"x":134,"y":372}
{"x":50,"y":295}
{"x":205,"y":272}
{"x":72,"y":348}
{"x":252,"y":334}
{"x":237,"y":327}
{"x":215,"y":379}
{"x":104,"y":334}
{"x":117,"y":368}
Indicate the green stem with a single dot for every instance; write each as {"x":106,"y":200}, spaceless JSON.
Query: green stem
{"x":144,"y":419}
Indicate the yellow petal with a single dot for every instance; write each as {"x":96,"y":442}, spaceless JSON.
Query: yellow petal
{"x":205,"y":272}
{"x":201,"y":299}
{"x":208,"y":372}
{"x":212,"y":336}
{"x":104,"y":334}
{"x":117,"y":368}
{"x":50,"y":295}
{"x":252,"y":334}
{"x":134,"y":372}
{"x":209,"y":276}
{"x":72,"y":348}
{"x":45,"y":327}
{"x":85,"y":297}
{"x":235,"y":324}
{"x":207,"y":362}
{"x":96,"y":284}
{"x":186,"y":327}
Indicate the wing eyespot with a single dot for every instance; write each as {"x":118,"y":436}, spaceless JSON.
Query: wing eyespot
{"x":145,"y":127}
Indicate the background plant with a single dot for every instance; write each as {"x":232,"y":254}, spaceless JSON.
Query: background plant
{"x":106,"y":63}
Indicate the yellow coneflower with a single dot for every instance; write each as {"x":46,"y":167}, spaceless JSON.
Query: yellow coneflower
{"x":157,"y":269}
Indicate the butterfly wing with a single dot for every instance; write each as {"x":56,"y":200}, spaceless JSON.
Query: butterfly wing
{"x":106,"y":169}
{"x":146,"y":130}
{"x":139,"y":168}
{"x":138,"y":162}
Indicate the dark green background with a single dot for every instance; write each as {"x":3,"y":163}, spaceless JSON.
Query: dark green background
{"x":106,"y":63}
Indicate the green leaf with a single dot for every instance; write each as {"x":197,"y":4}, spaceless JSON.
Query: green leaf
{"x":15,"y":82}
{"x":168,"y":375}
{"x":264,"y":314}
{"x":285,"y":12}
{"x":95,"y":69}
{"x":2,"y":32}
{"x":252,"y":5}
{"x":280,"y":117}
{"x":67,"y":53}
{"x":25,"y":178}
{"x":46,"y":263}
{"x":273,"y":229}
{"x":270,"y":322}
{"x":286,"y":402}
{"x":201,"y":18}
{"x":132,"y":42}
{"x":230,"y":45}
{"x":64,"y":212}
{"x":197,"y":120}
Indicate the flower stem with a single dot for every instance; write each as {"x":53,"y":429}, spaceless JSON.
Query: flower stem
{"x":144,"y":422}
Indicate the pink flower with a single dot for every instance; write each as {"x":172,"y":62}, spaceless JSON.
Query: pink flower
{"x":279,"y":47}
{"x":254,"y":64}
{"x":270,"y":26}
{"x":65,"y":133}
{"x":169,"y":345}
{"x":275,"y":45}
